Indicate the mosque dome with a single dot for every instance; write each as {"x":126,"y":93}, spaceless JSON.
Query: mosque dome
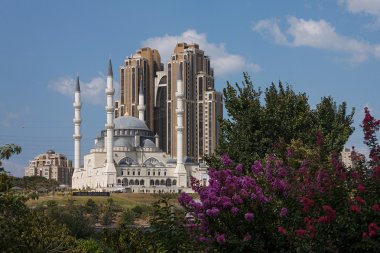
{"x":123,"y":142}
{"x":149,"y":144}
{"x":129,"y":122}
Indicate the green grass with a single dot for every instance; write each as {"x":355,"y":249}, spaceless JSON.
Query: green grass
{"x":125,"y":200}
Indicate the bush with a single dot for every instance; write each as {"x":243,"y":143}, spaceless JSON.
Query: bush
{"x":277,"y":207}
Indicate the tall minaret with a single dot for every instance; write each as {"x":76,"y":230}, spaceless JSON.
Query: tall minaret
{"x":110,"y":166}
{"x":141,"y":106}
{"x":180,"y":169}
{"x":77,"y":121}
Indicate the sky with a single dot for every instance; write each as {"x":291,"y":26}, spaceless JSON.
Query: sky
{"x":322,"y":48}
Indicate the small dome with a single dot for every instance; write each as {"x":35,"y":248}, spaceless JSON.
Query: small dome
{"x":123,"y":142}
{"x":129,"y":122}
{"x":50,"y":152}
{"x":149,"y":144}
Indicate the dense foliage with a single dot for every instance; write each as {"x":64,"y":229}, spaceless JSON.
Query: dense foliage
{"x":261,"y":123}
{"x":276,"y":207}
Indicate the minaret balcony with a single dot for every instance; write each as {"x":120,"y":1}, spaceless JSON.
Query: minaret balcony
{"x":77,"y":121}
{"x":141,"y":107}
{"x":77,"y":105}
{"x":110,"y":91}
{"x":110,"y":126}
{"x":180,"y":128}
{"x":179,"y":111}
{"x":110,"y":108}
{"x":77,"y":136}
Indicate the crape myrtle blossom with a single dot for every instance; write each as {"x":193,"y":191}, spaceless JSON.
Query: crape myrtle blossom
{"x":277,"y":206}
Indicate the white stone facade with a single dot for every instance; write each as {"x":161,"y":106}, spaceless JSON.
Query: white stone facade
{"x":138,"y":165}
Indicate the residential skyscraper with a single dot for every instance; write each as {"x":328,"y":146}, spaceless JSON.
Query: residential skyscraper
{"x":201,"y":103}
{"x":138,"y":72}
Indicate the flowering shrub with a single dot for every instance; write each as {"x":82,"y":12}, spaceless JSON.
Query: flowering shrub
{"x":278,"y":206}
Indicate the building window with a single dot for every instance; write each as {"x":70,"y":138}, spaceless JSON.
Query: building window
{"x":169,"y":81}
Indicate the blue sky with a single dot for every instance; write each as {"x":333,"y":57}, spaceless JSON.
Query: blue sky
{"x":322,"y":48}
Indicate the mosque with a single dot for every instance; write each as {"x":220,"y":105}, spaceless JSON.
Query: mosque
{"x":126,"y":156}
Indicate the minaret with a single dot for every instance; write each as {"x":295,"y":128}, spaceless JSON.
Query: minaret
{"x":77,"y":121}
{"x":141,"y":106}
{"x":180,"y":169}
{"x":110,"y":166}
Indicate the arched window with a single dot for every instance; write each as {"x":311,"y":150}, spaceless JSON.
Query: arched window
{"x":162,"y":182}
{"x":151,"y":161}
{"x":118,"y":181}
{"x":131,"y":182}
{"x":157,"y":182}
{"x":151,"y":182}
{"x":168,"y":182}
{"x":136,"y":182}
{"x":174,"y":182}
{"x":126,"y":161}
{"x":142,"y":182}
{"x":125,"y":182}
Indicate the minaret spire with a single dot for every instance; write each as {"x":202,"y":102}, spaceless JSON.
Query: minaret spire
{"x":77,"y":123}
{"x":110,"y":166}
{"x":180,"y":169}
{"x":141,"y":106}
{"x":110,"y":72}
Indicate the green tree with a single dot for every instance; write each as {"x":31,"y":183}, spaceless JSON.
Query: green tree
{"x":260,"y":123}
{"x":26,"y":230}
{"x":7,"y":150}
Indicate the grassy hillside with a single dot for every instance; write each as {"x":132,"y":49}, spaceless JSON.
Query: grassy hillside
{"x":125,"y":200}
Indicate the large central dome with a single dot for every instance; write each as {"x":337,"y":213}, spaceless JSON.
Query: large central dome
{"x":129,"y":122}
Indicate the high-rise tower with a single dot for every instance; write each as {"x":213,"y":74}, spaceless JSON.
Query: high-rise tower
{"x":138,"y":72}
{"x":201,"y":103}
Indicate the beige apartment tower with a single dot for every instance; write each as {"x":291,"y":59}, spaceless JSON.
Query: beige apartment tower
{"x":51,"y":165}
{"x":202,"y":105}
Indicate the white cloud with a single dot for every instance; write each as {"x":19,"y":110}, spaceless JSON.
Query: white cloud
{"x":222,"y":61}
{"x":269,"y":29}
{"x":316,"y":34}
{"x":92,"y":91}
{"x":369,"y":7}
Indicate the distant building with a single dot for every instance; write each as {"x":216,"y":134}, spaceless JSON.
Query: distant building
{"x":350,"y":157}
{"x":51,"y":166}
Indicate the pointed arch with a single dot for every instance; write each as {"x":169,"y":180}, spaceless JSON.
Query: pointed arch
{"x":126,"y":161}
{"x":152,"y":161}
